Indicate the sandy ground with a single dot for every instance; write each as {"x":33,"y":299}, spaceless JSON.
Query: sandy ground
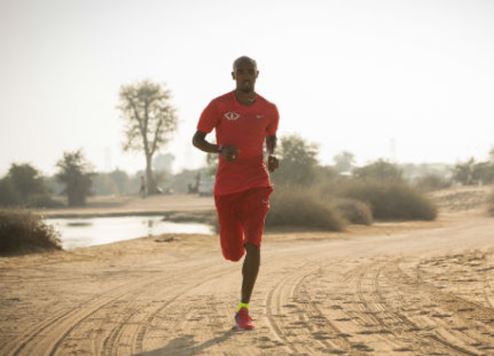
{"x":389,"y":289}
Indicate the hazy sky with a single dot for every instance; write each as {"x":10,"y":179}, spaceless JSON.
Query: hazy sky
{"x":348,"y":75}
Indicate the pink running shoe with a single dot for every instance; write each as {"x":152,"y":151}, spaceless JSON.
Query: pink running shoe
{"x":243,"y":320}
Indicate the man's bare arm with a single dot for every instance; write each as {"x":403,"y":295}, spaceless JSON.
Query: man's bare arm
{"x":199,"y":141}
{"x":228,"y":152}
{"x":273,"y":162}
{"x":271,"y":144}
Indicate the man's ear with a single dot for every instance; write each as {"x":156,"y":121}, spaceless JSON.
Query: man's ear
{"x":233,"y":75}
{"x":257,"y":74}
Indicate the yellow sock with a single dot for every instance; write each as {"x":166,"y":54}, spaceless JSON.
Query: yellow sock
{"x":242,"y":305}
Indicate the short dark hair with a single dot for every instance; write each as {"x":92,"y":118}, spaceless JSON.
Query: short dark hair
{"x":244,"y":59}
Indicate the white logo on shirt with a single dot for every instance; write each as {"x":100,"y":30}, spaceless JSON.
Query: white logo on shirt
{"x":232,"y":116}
{"x":258,"y":117}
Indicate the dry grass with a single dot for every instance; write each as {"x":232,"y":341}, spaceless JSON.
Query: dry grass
{"x":23,"y":232}
{"x":303,"y":207}
{"x":490,"y":203}
{"x":393,"y":200}
{"x":354,"y":211}
{"x":387,"y":200}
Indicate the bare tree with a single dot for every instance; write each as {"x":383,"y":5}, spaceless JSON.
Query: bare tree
{"x":150,"y":120}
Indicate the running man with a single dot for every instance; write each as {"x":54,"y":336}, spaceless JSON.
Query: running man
{"x":243,"y":121}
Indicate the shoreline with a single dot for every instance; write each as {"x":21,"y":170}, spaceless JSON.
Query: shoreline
{"x":171,"y":215}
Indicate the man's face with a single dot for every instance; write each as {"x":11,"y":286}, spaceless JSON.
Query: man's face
{"x":245,"y":74}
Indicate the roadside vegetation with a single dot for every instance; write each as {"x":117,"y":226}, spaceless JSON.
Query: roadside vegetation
{"x":22,"y":232}
{"x":302,"y":207}
{"x":491,"y":204}
{"x":331,"y":197}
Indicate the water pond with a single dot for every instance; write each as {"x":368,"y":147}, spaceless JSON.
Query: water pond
{"x":82,"y":232}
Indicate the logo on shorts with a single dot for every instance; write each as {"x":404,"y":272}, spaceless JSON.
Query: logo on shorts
{"x":232,"y":116}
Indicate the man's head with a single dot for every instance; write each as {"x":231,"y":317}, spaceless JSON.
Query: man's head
{"x":245,"y":73}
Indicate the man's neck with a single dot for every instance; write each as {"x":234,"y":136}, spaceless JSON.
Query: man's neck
{"x":245,"y":98}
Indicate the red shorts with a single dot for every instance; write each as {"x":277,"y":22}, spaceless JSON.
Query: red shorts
{"x":241,"y":218}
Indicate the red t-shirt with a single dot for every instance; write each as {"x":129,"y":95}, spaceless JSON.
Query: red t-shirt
{"x":246,"y":128}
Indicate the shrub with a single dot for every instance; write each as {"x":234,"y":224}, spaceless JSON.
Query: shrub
{"x":380,"y":170}
{"x":44,"y":201}
{"x":432,"y":182}
{"x":304,"y":208}
{"x":391,"y":200}
{"x":298,"y":165}
{"x":491,"y":204}
{"x":354,"y":211}
{"x":22,"y":232}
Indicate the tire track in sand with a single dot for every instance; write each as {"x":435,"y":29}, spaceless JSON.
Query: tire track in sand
{"x":281,"y":298}
{"x":56,"y":328}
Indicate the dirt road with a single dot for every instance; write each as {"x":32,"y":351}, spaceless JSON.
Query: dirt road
{"x":427,"y":291}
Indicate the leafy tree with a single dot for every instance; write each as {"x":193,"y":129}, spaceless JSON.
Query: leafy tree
{"x":483,"y":172}
{"x":298,"y":164}
{"x":491,"y":155}
{"x":380,"y":171}
{"x":150,"y":120}
{"x":8,"y":193}
{"x":343,"y":161}
{"x":74,"y":172}
{"x":463,"y":172}
{"x":26,"y":180}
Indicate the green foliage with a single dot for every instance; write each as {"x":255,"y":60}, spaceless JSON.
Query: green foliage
{"x":354,"y":211}
{"x":74,"y":172}
{"x":483,"y":172}
{"x":8,"y":192}
{"x":298,"y":165}
{"x":431,"y":182}
{"x":27,"y":180}
{"x":343,"y":161}
{"x":22,"y":232}
{"x":380,"y":171}
{"x":471,"y":172}
{"x":463,"y":172}
{"x":298,"y":206}
{"x":150,"y":120}
{"x":24,"y":186}
{"x":391,"y":200}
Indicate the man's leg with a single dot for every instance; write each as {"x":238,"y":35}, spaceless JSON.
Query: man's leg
{"x":250,"y":269}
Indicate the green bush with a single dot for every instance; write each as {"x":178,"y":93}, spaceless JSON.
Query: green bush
{"x":354,"y":211}
{"x":391,"y":200}
{"x":23,"y":232}
{"x":302,"y":207}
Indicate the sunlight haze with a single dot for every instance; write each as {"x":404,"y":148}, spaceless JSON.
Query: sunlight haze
{"x":405,"y":80}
